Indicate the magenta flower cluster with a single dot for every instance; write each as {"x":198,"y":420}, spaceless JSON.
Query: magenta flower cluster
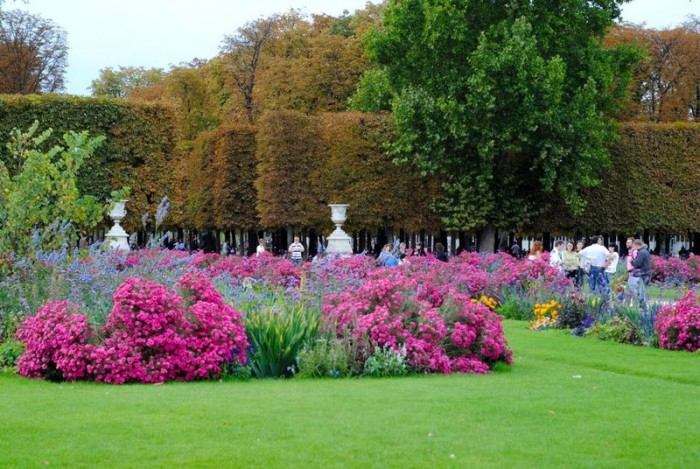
{"x":674,"y":269}
{"x":678,"y":325}
{"x":275,"y":270}
{"x":152,"y":335}
{"x":437,"y":328}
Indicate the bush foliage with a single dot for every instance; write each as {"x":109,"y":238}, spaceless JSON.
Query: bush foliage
{"x":138,"y":151}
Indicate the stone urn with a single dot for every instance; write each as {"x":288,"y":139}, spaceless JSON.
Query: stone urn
{"x":339,"y":242}
{"x":116,"y":236}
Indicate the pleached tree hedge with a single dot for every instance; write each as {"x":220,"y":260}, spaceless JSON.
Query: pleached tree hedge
{"x":381,"y":194}
{"x":138,"y":151}
{"x":235,"y":167}
{"x":653,"y":183}
{"x":291,"y":161}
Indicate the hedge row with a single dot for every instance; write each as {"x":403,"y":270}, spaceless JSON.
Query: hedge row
{"x":653,"y":182}
{"x":287,"y":169}
{"x":138,"y":152}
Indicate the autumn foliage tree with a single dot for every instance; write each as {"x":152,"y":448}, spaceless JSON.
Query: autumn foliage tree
{"x":666,"y":85}
{"x":33,"y":53}
{"x":359,"y":172}
{"x":235,"y":169}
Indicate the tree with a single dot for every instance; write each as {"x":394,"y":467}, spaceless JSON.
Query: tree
{"x":33,"y":54}
{"x":290,"y":153}
{"x":666,"y":86}
{"x":242,"y":53}
{"x":124,"y":81}
{"x":507,"y":100}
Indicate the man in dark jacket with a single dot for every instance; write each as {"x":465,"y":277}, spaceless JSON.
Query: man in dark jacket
{"x":641,"y":271}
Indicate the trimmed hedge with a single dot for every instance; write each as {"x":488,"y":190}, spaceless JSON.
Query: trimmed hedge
{"x":653,"y":183}
{"x":138,"y":152}
{"x":285,"y":170}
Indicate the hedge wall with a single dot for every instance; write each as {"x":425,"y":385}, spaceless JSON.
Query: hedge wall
{"x":358,"y":172}
{"x":138,"y":151}
{"x":653,"y":184}
{"x":291,"y":162}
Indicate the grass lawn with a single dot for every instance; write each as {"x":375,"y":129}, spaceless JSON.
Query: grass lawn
{"x":567,"y":402}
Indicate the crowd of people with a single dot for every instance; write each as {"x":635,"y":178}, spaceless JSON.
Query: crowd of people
{"x":598,"y":264}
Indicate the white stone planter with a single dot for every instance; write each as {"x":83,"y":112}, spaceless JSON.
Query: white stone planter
{"x":339,"y":242}
{"x":116,"y":236}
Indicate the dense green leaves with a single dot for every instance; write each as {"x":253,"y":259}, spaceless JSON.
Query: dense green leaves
{"x":507,"y":100}
{"x":42,"y":208}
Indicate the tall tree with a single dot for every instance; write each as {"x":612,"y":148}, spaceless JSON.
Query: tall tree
{"x":242,"y":53}
{"x":506,"y":99}
{"x":666,"y":86}
{"x":33,"y":53}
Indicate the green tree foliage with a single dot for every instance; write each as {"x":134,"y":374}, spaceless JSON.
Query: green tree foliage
{"x":507,"y":100}
{"x":139,"y":149}
{"x":41,"y":205}
{"x":122,"y":82}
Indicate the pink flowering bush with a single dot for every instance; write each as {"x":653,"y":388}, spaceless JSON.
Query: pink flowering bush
{"x":57,"y":343}
{"x":275,"y":270}
{"x":678,"y":325}
{"x":152,"y":335}
{"x":671,"y":269}
{"x":437,"y":329}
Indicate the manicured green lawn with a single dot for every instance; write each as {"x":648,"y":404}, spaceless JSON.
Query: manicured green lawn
{"x":567,"y":402}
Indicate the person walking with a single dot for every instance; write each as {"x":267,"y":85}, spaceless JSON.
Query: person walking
{"x":296,"y":252}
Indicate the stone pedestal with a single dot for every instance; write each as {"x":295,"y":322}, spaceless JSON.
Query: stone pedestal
{"x":339,"y":242}
{"x":116,"y":237}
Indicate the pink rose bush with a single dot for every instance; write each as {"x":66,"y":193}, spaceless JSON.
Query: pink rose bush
{"x":438,"y":329}
{"x":152,"y":335}
{"x":678,"y":325}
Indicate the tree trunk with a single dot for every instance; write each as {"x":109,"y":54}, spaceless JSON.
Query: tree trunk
{"x":487,"y":241}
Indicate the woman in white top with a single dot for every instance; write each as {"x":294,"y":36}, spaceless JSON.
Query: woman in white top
{"x":261,"y":247}
{"x":613,"y":259}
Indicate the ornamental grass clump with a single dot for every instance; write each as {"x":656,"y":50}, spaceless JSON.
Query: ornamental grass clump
{"x":678,"y":325}
{"x":278,"y":329}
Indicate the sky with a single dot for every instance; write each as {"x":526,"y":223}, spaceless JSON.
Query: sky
{"x":160,"y":33}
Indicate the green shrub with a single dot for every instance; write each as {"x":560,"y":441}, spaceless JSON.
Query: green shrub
{"x":516,"y":306}
{"x":618,"y":329}
{"x":323,"y":358}
{"x":386,"y":362}
{"x":10,"y":352}
{"x":572,"y":313}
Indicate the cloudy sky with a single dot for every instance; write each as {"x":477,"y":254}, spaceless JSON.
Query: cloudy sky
{"x":158,"y":33}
